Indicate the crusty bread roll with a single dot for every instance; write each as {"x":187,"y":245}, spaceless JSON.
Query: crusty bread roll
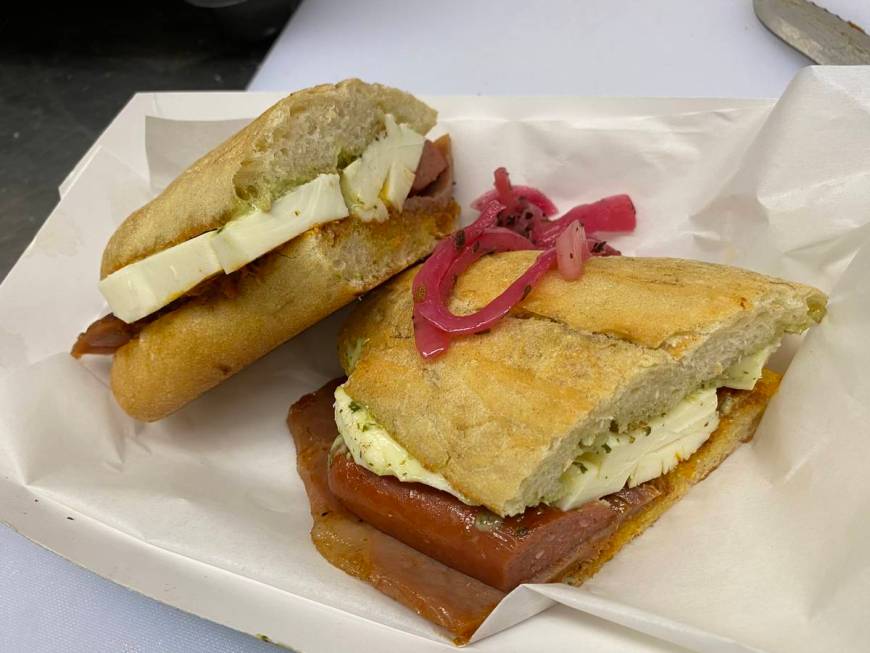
{"x":202,"y":341}
{"x":311,"y":132}
{"x":193,"y":348}
{"x":336,"y":531}
{"x":501,"y":414}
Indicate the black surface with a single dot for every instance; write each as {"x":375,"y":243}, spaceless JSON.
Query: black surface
{"x":65,"y":73}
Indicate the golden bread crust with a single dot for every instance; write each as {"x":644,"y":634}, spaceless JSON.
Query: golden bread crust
{"x":191,"y":349}
{"x":657,"y":303}
{"x":307,"y":133}
{"x":501,"y":411}
{"x":485,"y":414}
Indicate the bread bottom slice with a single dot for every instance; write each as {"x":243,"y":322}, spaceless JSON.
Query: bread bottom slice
{"x":191,"y":349}
{"x":741,"y":412}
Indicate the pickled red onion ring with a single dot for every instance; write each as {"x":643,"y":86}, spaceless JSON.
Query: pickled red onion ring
{"x":504,"y":190}
{"x":438,"y":315}
{"x":511,"y":218}
{"x":614,"y":213}
{"x":572,"y":251}
{"x":496,"y":239}
{"x":533,"y":195}
{"x":434,"y":270}
{"x":430,"y":340}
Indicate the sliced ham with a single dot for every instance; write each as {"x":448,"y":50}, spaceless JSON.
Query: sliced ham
{"x":432,"y":163}
{"x":435,"y":591}
{"x":449,"y":562}
{"x":439,"y":192}
{"x":108,"y":334}
{"x":533,"y":547}
{"x":105,"y":336}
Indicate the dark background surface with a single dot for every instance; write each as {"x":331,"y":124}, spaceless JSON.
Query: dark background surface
{"x":67,"y":69}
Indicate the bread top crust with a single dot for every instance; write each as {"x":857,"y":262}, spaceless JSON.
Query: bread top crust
{"x":310,"y":132}
{"x":658,"y":303}
{"x":500,"y":415}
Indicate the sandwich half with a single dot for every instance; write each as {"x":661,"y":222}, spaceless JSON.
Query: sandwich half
{"x":328,"y":193}
{"x":534,"y":451}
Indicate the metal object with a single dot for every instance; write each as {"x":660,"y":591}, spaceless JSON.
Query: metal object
{"x":822,"y":36}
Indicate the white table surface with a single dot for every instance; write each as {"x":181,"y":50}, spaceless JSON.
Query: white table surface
{"x":713,"y":48}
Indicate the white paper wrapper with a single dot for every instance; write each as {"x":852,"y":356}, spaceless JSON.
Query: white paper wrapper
{"x":204,"y":510}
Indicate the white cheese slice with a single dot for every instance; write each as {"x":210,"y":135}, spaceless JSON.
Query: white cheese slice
{"x":744,"y":374}
{"x":660,"y":462}
{"x":247,"y":238}
{"x":381,"y":177}
{"x":145,"y":286}
{"x":381,"y":174}
{"x":616,"y":461}
{"x":579,"y":480}
{"x":361,"y":185}
{"x":632,"y":457}
{"x":397,"y":185}
{"x":141,"y":288}
{"x":373,"y":448}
